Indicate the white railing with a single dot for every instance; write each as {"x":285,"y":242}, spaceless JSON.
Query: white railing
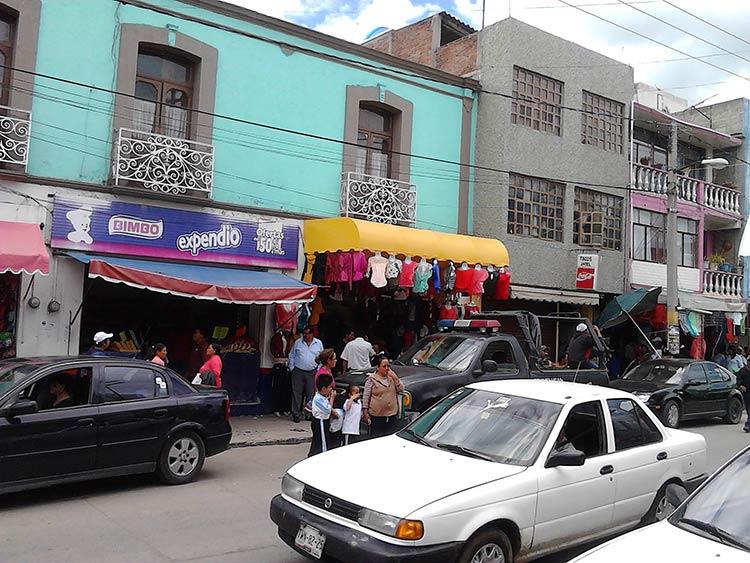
{"x":655,"y":180}
{"x":722,"y":198}
{"x":722,"y":284}
{"x":15,"y":125}
{"x":162,"y":164}
{"x":383,"y":200}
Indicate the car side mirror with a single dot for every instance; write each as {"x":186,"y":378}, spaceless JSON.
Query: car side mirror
{"x":20,"y":407}
{"x":675,"y":494}
{"x":489,"y":366}
{"x":569,"y":457}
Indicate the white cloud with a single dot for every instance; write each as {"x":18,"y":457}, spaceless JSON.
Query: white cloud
{"x":392,"y":14}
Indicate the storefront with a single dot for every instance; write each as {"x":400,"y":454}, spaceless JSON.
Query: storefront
{"x":394,"y":283}
{"x":156,"y":274}
{"x":22,"y":251}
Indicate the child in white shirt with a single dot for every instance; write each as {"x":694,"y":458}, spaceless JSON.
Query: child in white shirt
{"x":322,"y":411}
{"x":352,"y":413}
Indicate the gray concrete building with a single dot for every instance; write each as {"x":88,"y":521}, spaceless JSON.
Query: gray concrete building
{"x":552,"y":150}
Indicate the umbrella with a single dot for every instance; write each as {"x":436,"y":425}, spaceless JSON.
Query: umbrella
{"x":622,"y":308}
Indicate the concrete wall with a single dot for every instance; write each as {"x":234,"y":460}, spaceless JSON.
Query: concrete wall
{"x":522,"y":150}
{"x":256,"y":81}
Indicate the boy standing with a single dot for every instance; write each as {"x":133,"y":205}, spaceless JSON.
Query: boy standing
{"x":322,"y":411}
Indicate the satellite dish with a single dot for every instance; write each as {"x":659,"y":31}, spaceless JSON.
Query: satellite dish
{"x":375,"y":32}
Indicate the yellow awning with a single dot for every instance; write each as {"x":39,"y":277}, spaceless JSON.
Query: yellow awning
{"x":344,"y":233}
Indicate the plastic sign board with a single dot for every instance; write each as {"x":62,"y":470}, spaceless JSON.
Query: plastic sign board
{"x":586,"y":271}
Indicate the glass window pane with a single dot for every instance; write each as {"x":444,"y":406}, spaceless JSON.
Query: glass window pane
{"x":127,"y":384}
{"x":146,"y":91}
{"x":6,"y":29}
{"x":176,"y":97}
{"x":158,"y":66}
{"x":625,"y":424}
{"x":373,"y":121}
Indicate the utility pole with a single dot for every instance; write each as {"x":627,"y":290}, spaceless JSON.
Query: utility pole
{"x":673,"y":336}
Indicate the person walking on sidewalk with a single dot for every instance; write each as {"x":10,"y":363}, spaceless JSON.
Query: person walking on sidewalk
{"x":303,"y":363}
{"x":743,"y":381}
{"x":322,"y":409}
{"x":281,"y":392}
{"x":380,"y":401}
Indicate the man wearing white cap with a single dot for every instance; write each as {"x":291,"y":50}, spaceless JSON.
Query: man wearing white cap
{"x":102,"y":340}
{"x":580,"y":348}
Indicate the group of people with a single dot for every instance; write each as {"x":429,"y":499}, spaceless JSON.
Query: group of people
{"x":204,"y":366}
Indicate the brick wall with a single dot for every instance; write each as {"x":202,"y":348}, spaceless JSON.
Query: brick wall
{"x":413,"y":43}
{"x":381,"y":43}
{"x":458,"y":57}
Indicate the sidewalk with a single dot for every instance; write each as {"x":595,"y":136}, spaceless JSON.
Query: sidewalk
{"x":267,"y":430}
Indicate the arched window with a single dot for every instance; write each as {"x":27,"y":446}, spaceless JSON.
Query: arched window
{"x":375,"y":140}
{"x":164,"y":86}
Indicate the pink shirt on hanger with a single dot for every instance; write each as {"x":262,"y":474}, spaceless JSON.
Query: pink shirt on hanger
{"x":477,"y":281}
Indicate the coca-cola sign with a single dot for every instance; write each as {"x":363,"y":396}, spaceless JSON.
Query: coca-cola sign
{"x":586,"y":270}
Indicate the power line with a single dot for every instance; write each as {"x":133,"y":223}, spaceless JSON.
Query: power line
{"x":691,"y":34}
{"x":676,"y":7}
{"x":661,"y":43}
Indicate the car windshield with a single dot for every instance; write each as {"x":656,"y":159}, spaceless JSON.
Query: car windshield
{"x":493,"y":426}
{"x":10,"y":374}
{"x":719,"y":509}
{"x":443,"y":351}
{"x":656,"y":373}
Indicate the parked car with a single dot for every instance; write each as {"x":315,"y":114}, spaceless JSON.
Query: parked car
{"x":684,"y":389}
{"x":464,"y":352}
{"x":712,"y":525}
{"x":496,"y":471}
{"x":68,"y":419}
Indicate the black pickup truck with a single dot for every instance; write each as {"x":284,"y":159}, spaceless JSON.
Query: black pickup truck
{"x":463,"y":352}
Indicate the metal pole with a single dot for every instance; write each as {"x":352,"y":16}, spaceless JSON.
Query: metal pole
{"x":673,"y":336}
{"x":483,"y":7}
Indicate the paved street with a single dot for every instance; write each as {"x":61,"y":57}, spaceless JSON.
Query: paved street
{"x":221,"y":518}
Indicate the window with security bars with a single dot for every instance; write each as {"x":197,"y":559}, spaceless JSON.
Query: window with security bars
{"x":535,"y":208}
{"x":597,"y":220}
{"x":537,"y":101}
{"x":602,"y":122}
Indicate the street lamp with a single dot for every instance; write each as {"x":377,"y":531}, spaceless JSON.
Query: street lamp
{"x":673,"y":337}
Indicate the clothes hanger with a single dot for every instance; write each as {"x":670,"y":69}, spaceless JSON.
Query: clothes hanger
{"x":407,"y":259}
{"x":464,"y":266}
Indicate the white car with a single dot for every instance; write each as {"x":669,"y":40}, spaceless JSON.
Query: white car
{"x":712,"y":525}
{"x":497,"y":471}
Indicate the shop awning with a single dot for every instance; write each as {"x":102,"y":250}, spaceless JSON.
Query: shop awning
{"x":554,"y":295}
{"x":344,"y":233}
{"x":228,"y":285}
{"x":22,"y":249}
{"x":699,"y":302}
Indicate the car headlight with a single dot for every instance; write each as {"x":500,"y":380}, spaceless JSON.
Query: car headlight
{"x":645,"y":397}
{"x":292,"y":487}
{"x":390,"y":525}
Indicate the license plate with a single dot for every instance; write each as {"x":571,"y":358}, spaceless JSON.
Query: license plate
{"x":310,"y":540}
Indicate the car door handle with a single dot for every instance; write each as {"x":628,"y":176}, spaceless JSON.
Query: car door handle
{"x":606,"y":469}
{"x":661,"y":456}
{"x":160,"y":413}
{"x":85,"y":422}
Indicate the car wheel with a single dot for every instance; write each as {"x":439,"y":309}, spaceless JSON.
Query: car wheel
{"x":490,"y":546}
{"x":734,"y":411}
{"x":670,"y":414}
{"x":660,"y":508}
{"x":181,"y":459}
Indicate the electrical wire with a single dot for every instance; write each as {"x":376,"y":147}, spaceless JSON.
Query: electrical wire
{"x":676,"y":7}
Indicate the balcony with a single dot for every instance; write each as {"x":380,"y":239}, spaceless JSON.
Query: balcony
{"x":722,"y":284}
{"x":15,"y":125}
{"x":382,"y":200}
{"x":720,"y":198}
{"x":162,"y":164}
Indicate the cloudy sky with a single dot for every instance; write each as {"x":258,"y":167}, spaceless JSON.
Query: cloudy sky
{"x":661,"y":66}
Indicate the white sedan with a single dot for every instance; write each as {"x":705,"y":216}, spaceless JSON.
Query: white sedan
{"x":496,"y":472}
{"x":712,"y":525}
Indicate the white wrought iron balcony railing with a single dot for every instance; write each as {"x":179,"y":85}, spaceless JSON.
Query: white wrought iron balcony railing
{"x":722,"y":284}
{"x":162,"y":164}
{"x":654,"y":180}
{"x":15,"y":125}
{"x":382,"y":200}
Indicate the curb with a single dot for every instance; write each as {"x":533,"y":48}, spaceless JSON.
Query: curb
{"x":278,"y":442}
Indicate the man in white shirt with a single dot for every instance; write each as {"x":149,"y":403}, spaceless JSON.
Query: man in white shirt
{"x":357,"y":354}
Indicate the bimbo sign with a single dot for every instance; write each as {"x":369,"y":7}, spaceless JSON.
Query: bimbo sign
{"x":586,"y":271}
{"x":116,"y":227}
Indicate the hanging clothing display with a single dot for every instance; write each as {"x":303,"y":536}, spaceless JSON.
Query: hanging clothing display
{"x":392,"y":272}
{"x":502,"y":288}
{"x":698,"y":348}
{"x":464,"y":279}
{"x":490,"y":283}
{"x":479,"y":276}
{"x":421,"y":277}
{"x":448,"y":313}
{"x":406,"y":278}
{"x":436,"y":276}
{"x":286,"y":316}
{"x":450,"y":278}
{"x":376,"y":267}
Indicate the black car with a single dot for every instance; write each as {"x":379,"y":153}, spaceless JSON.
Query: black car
{"x":683,"y":389}
{"x":65,"y":419}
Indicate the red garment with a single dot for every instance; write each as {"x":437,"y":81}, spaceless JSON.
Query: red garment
{"x":345,"y":267}
{"x":477,"y":281}
{"x":214,"y":365}
{"x":332,"y":268}
{"x":502,"y":289}
{"x":286,"y":317}
{"x":469,"y":310}
{"x":359,"y":266}
{"x":464,"y":279}
{"x":730,"y":331}
{"x":406,"y":278}
{"x":698,"y":348}
{"x":280,"y":346}
{"x":448,"y":313}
